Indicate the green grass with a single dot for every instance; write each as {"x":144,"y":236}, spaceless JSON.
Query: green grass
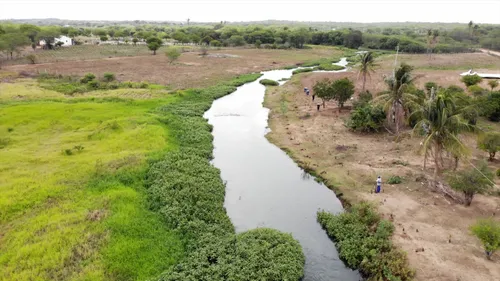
{"x":81,"y":216}
{"x":329,"y":67}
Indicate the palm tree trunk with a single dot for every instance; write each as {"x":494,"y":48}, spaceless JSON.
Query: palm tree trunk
{"x":364,"y":82}
{"x":437,"y":154}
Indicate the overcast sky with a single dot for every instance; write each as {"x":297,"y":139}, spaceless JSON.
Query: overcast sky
{"x":480,"y":11}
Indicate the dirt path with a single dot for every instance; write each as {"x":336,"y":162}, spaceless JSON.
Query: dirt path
{"x":495,"y":53}
{"x":351,"y":162}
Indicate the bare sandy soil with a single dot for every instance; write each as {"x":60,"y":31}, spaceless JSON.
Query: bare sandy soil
{"x":190,"y":71}
{"x":351,"y":162}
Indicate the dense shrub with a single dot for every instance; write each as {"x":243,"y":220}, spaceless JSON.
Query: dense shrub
{"x":187,"y":191}
{"x":477,"y":91}
{"x":329,"y":67}
{"x":395,"y":180}
{"x":488,"y":232}
{"x":302,"y":70}
{"x":470,"y":80}
{"x":491,"y":107}
{"x":215,"y":43}
{"x":366,"y":118}
{"x":268,"y":82}
{"x":88,"y":77}
{"x":108,"y":77}
{"x":363,"y":242}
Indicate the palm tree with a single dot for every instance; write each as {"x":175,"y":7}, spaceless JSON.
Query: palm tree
{"x":442,"y":123}
{"x":398,"y":100}
{"x":367,"y":65}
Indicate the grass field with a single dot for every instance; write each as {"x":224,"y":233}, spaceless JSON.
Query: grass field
{"x":190,"y":71}
{"x":71,"y":186}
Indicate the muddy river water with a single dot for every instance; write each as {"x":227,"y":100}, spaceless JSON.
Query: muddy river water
{"x":265,"y":187}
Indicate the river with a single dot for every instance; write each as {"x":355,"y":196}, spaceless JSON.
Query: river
{"x":265,"y":187}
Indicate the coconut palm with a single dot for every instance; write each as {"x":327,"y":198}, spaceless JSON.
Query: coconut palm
{"x":398,"y":100}
{"x":442,"y":123}
{"x":367,"y":65}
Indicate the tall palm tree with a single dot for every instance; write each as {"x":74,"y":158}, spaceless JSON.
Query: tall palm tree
{"x":398,"y":100}
{"x":367,"y":66}
{"x":442,"y":123}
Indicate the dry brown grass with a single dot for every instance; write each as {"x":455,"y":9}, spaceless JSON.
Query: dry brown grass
{"x":351,"y":162}
{"x":191,"y":70}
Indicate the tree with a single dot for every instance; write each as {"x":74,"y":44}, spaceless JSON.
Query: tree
{"x":367,"y":65}
{"x":488,"y":231}
{"x":353,"y":39}
{"x":471,"y":23}
{"x":257,"y":44}
{"x":398,"y":99}
{"x":154,"y":43}
{"x":489,"y":142}
{"x":472,"y":181}
{"x":135,"y":40}
{"x":172,"y":54}
{"x":215,"y":43}
{"x":31,"y":31}
{"x":493,"y":84}
{"x":299,"y":37}
{"x":48,"y":35}
{"x":343,"y":90}
{"x":470,"y":80}
{"x":12,"y":42}
{"x":104,"y":38}
{"x":432,"y":38}
{"x":237,"y":40}
{"x":441,"y":123}
{"x":340,"y":90}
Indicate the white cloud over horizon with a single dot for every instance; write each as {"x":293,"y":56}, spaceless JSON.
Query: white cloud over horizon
{"x":482,"y":11}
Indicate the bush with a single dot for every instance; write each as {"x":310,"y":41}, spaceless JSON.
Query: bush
{"x":268,"y":82}
{"x":329,"y":67}
{"x":10,"y":130}
{"x":363,"y":99}
{"x":491,"y":107}
{"x":488,"y":232}
{"x":363,"y":242}
{"x":489,"y":142}
{"x":68,"y":152}
{"x":172,"y":54}
{"x":472,"y":181}
{"x":108,"y":77}
{"x":93,"y":84}
{"x":187,"y":191}
{"x":395,"y":180}
{"x":470,"y":80}
{"x":4,"y":142}
{"x":366,"y":118}
{"x":87,"y":78}
{"x":302,"y":70}
{"x":477,"y":91}
{"x":32,"y":58}
{"x":215,"y":43}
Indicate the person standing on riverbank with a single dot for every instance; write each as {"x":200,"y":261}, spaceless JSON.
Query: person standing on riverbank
{"x":378,"y":189}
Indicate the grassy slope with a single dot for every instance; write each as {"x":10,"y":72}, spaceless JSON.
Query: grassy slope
{"x":80,"y":216}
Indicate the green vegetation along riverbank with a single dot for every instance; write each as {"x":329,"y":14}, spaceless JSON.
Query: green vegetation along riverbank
{"x":117,"y":185}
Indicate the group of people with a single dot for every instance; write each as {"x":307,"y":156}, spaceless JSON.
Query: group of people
{"x":318,"y":102}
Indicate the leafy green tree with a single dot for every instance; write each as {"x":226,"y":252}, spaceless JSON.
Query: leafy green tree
{"x":493,"y":84}
{"x":215,"y":43}
{"x":104,"y":38}
{"x":489,"y":142}
{"x":31,"y":31}
{"x":366,"y":118}
{"x":322,"y":89}
{"x":343,"y":90}
{"x":441,"y":123}
{"x":366,"y":66}
{"x":299,"y":37}
{"x":154,"y":43}
{"x":353,"y":39}
{"x":48,"y":35}
{"x":257,"y":44}
{"x":472,"y":181}
{"x":398,"y":100}
{"x":488,"y":231}
{"x":172,"y":54}
{"x":13,"y":42}
{"x":470,"y":80}
{"x":237,"y":40}
{"x":135,"y":40}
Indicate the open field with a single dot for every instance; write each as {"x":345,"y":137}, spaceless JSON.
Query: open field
{"x":350,"y":162}
{"x":71,"y":186}
{"x":190,"y":71}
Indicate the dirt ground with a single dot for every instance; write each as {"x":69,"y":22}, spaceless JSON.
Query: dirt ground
{"x":351,"y":162}
{"x":190,"y":71}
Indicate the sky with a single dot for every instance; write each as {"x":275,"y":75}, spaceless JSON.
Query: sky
{"x":479,"y":11}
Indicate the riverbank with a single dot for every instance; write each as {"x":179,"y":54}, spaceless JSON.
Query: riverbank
{"x":350,"y":163}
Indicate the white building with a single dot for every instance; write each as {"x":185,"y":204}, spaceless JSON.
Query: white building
{"x":65,"y":40}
